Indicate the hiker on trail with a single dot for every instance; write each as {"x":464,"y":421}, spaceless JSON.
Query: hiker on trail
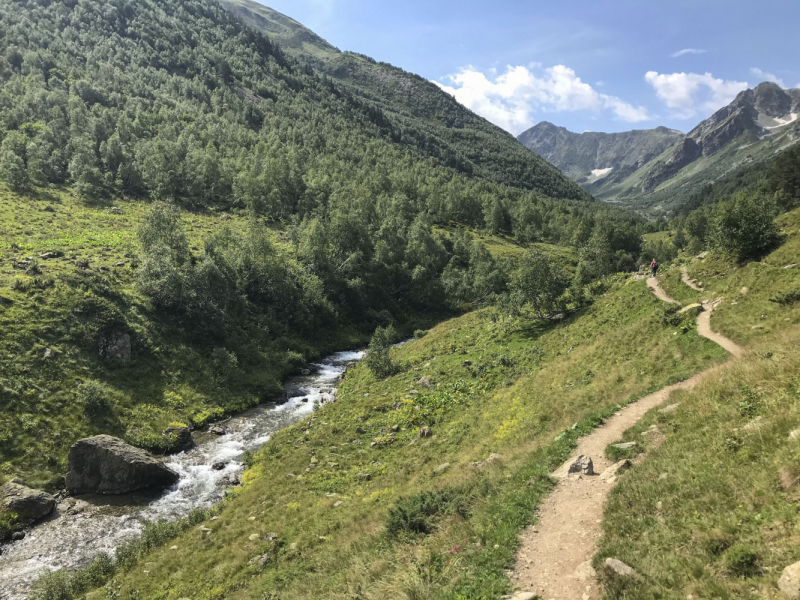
{"x":654,"y":266}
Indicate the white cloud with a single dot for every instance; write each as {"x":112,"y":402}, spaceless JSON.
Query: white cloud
{"x":686,"y":51}
{"x":688,"y":94}
{"x":766,"y":76}
{"x":510,"y":98}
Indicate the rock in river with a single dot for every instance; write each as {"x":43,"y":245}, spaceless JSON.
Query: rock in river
{"x":29,"y":505}
{"x":107,"y":465}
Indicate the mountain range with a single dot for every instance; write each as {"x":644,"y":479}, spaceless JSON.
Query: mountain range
{"x":657,"y":170}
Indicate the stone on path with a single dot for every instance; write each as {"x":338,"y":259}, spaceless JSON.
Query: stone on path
{"x":581,"y":465}
{"x":617,"y":568}
{"x":522,"y":596}
{"x":614,"y":469}
{"x":625,"y":445}
{"x":585,"y":571}
{"x":789,"y":583}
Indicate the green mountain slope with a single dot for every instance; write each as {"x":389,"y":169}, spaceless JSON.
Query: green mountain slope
{"x":416,"y":516}
{"x":756,"y":126}
{"x":423,"y":116}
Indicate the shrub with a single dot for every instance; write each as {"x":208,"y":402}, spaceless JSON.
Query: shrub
{"x":670,"y":316}
{"x":7,"y":522}
{"x":94,"y":396}
{"x":744,"y":228}
{"x":417,"y":514}
{"x":788,"y":298}
{"x":540,"y":284}
{"x":741,"y":561}
{"x":225,"y":364}
{"x":419,"y":333}
{"x":378,"y":360}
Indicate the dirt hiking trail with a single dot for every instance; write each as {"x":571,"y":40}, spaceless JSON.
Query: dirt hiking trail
{"x":689,"y":281}
{"x":554,"y":561}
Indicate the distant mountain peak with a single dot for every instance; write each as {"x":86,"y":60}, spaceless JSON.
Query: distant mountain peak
{"x":638,"y":164}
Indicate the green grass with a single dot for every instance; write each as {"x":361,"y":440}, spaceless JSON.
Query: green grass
{"x":670,"y":280}
{"x":706,"y":514}
{"x":527,"y":382}
{"x":746,"y":315}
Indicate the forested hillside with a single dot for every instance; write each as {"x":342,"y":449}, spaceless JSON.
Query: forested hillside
{"x":427,"y":118}
{"x":173,"y":177}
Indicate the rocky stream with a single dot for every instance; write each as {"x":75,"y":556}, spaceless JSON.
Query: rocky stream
{"x":81,"y":527}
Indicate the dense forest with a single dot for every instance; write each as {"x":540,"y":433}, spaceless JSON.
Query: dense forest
{"x":179,"y":102}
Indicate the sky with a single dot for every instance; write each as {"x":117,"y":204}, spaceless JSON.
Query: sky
{"x":611,"y":65}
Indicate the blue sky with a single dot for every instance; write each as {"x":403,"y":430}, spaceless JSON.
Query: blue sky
{"x":610,"y":65}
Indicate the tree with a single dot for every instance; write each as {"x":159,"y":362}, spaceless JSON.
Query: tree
{"x":744,"y":227}
{"x":12,"y":170}
{"x":377,"y":359}
{"x":165,"y":257}
{"x":540,"y":284}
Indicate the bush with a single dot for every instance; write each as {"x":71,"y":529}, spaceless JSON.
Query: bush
{"x":788,"y":298}
{"x":744,"y":228}
{"x":540,"y":284}
{"x":225,"y":364}
{"x":741,"y":561}
{"x":670,"y":316}
{"x":377,"y":359}
{"x":95,"y":397}
{"x":419,"y":333}
{"x":417,"y":514}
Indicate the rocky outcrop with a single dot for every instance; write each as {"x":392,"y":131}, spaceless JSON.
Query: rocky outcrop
{"x":616,"y":155}
{"x":116,"y":346}
{"x":684,"y":153}
{"x":107,"y":465}
{"x":27,"y":504}
{"x":581,"y":465}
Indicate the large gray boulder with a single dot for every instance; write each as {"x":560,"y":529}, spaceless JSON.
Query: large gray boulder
{"x":107,"y":465}
{"x":28,"y":504}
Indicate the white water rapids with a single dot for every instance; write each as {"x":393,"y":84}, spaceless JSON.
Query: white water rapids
{"x":76,"y":532}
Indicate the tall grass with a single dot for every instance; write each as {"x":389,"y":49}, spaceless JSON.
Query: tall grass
{"x":712,"y":512}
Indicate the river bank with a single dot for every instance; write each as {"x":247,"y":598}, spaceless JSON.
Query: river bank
{"x":82,"y":527}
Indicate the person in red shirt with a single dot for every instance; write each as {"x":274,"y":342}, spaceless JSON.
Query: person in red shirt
{"x":654,"y":266}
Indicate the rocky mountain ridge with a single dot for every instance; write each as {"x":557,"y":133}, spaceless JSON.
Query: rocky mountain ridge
{"x":590,"y":156}
{"x":659,"y":168}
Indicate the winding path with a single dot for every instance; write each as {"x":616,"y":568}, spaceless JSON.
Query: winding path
{"x":689,"y":281}
{"x":554,"y":560}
